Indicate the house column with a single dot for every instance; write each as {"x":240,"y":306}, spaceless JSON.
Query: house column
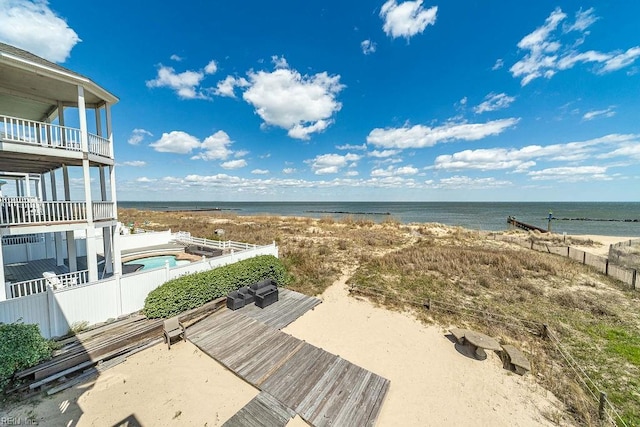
{"x":106,"y":231}
{"x":115,"y":233}
{"x":92,"y":262}
{"x":71,"y":240}
{"x":3,"y":286}
{"x":57,"y":237}
{"x":45,"y":197}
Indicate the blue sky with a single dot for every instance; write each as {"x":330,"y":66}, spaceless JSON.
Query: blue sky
{"x":364,"y":101}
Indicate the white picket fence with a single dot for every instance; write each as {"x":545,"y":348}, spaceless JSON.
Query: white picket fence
{"x":56,"y":312}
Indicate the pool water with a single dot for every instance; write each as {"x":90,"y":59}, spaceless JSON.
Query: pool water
{"x":150,"y":263}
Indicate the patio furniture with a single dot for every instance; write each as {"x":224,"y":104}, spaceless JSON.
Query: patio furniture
{"x":57,"y":283}
{"x":235,"y":300}
{"x":173,"y":328}
{"x":515,"y":360}
{"x":479,"y":342}
{"x":253,"y":289}
{"x":266,"y":296}
{"x":246,"y":295}
{"x":476,"y":341}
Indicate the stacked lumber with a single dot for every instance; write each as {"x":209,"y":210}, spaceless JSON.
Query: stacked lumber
{"x":89,"y":353}
{"x":86,"y":350}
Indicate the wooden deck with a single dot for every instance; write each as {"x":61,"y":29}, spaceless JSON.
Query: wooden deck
{"x":290,"y":306}
{"x":321,"y":387}
{"x":263,"y":410}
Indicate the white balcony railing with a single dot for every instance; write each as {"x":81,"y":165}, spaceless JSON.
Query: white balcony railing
{"x":102,"y":210}
{"x":33,"y":211}
{"x":49,"y":135}
{"x":35,"y":286}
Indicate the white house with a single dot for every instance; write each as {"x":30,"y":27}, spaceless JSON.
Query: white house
{"x":61,"y":246}
{"x":39,"y":150}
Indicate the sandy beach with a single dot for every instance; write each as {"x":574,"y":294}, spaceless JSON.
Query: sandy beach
{"x":433,"y":383}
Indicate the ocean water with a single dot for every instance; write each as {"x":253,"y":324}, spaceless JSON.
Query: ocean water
{"x":603,"y":218}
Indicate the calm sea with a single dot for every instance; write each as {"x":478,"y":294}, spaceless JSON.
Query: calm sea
{"x":612,"y":219}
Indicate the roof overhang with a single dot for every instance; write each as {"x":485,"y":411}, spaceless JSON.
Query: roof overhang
{"x":32,"y":88}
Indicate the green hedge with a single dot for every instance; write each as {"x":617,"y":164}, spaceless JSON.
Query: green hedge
{"x":21,"y":346}
{"x":194,"y":290}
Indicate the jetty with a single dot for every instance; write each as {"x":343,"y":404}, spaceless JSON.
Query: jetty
{"x":524,"y":226}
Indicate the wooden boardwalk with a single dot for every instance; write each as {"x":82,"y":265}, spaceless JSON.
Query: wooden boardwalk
{"x":321,"y":387}
{"x":290,"y":306}
{"x":263,"y":410}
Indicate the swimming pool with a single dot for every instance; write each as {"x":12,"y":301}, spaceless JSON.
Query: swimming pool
{"x":150,"y":263}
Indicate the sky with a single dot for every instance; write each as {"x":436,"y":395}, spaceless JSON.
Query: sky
{"x":331,"y":100}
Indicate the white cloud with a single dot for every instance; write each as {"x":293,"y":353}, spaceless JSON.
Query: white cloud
{"x":383,"y":154}
{"x":498,"y":65}
{"x":211,"y":67}
{"x":137,"y":136}
{"x":300,"y":104}
{"x":176,"y":142}
{"x":352,"y":147}
{"x":215,"y":147}
{"x":176,"y":58}
{"x":393,"y":171}
{"x":144,"y":179}
{"x":260,"y":171}
{"x":234,"y":164}
{"x":407,"y":18}
{"x":135,"y":163}
{"x":279,"y":61}
{"x":368,"y":47}
{"x":465,"y":182}
{"x":420,"y":136}
{"x":185,"y":84}
{"x":621,"y":60}
{"x":523,"y":159}
{"x":331,"y":163}
{"x":494,"y":102}
{"x":289,"y":171}
{"x":33,"y":26}
{"x":590,"y":115}
{"x":629,"y":150}
{"x":571,"y":174}
{"x":584,"y":19}
{"x":227,"y":86}
{"x":549,"y":49}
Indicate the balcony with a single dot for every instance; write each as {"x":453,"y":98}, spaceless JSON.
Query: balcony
{"x":48,"y":135}
{"x":33,"y":211}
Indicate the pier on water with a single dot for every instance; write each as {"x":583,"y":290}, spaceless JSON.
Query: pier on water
{"x":524,"y":226}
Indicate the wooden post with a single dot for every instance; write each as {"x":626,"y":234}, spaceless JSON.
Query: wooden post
{"x":606,"y":267}
{"x":634,"y":277}
{"x":584,"y":257}
{"x":568,"y":249}
{"x":603,"y":400}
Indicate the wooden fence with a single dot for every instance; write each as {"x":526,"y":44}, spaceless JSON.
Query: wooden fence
{"x":604,"y":265}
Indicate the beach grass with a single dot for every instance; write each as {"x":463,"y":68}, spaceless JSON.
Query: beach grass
{"x":472,"y":281}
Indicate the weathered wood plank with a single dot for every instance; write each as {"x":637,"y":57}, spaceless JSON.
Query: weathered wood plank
{"x":323,"y":388}
{"x":262,"y":411}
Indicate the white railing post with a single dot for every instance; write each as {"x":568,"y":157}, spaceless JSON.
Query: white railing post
{"x":118,"y":295}
{"x":51,"y":310}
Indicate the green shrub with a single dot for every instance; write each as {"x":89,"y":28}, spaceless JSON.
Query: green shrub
{"x":194,"y":290}
{"x":21,"y":346}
